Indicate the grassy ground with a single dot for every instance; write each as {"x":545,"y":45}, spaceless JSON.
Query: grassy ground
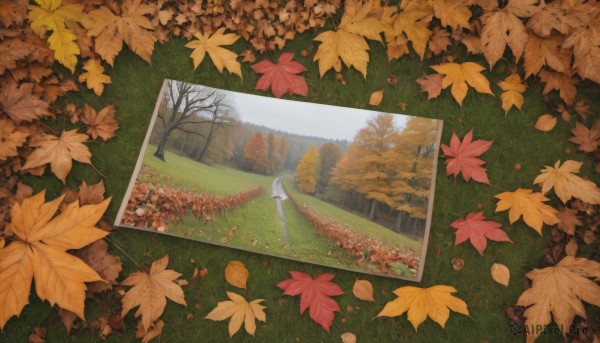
{"x":352,"y":221}
{"x":134,"y":88}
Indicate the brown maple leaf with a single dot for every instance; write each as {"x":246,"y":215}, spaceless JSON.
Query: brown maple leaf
{"x":96,"y":255}
{"x":129,"y":25}
{"x":432,"y":84}
{"x":151,"y":290}
{"x":561,"y":82}
{"x":59,"y":152}
{"x":541,"y":52}
{"x":568,"y":220}
{"x":11,"y":137}
{"x":12,"y":51}
{"x":587,"y":139}
{"x":13,"y":12}
{"x":101,"y":124}
{"x":19,"y":102}
{"x":439,"y":41}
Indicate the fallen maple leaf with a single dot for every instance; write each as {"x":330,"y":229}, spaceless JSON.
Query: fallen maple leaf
{"x":59,"y":152}
{"x":503,"y":26}
{"x":439,"y":41}
{"x":152,"y":332}
{"x":100,"y":124}
{"x":236,"y":274}
{"x":151,"y":290}
{"x":20,"y":104}
{"x":281,"y":77}
{"x":523,"y":202}
{"x":131,"y":26}
{"x":559,"y":291}
{"x":587,"y":139}
{"x":52,"y":15}
{"x":545,"y":122}
{"x":500,"y":274}
{"x":39,"y":252}
{"x":363,"y":290}
{"x":463,"y":157}
{"x":459,"y":75}
{"x":566,"y":184}
{"x":315,"y":294}
{"x":109,"y":267}
{"x":434,"y":302}
{"x":512,"y":95}
{"x":222,"y":58}
{"x":478,"y":230}
{"x":240,"y":311}
{"x":432,"y":84}
{"x":11,"y":138}
{"x":562,"y":82}
{"x":568,"y":220}
{"x":413,"y":22}
{"x":376,"y":98}
{"x":541,"y":52}
{"x":94,"y":76}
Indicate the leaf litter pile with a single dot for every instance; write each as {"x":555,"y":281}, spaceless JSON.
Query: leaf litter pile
{"x":62,"y":241}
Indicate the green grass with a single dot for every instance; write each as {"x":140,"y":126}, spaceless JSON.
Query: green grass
{"x":353,"y":221}
{"x":135,"y":86}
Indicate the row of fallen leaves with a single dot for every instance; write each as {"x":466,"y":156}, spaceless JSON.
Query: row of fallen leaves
{"x":155,"y":208}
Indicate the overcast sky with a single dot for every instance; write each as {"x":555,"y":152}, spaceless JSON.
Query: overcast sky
{"x":303,"y":118}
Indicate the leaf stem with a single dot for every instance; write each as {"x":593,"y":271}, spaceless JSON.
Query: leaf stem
{"x":126,"y":254}
{"x":99,"y":172}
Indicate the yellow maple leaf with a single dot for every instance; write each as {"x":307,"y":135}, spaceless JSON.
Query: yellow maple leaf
{"x":221,"y":57}
{"x":559,"y":291}
{"x":150,"y":292}
{"x":11,"y":137}
{"x":59,"y":152}
{"x":51,"y":15}
{"x":503,"y":26}
{"x":566,"y":184}
{"x":435,"y":302}
{"x":240,"y":311}
{"x":461,"y":75}
{"x":453,"y":13}
{"x":564,"y":83}
{"x":523,"y":202}
{"x":512,"y":88}
{"x":131,"y":26}
{"x":349,"y":47}
{"x":541,"y":52}
{"x":348,"y":44}
{"x":94,"y":76}
{"x":413,"y":22}
{"x":38,"y":251}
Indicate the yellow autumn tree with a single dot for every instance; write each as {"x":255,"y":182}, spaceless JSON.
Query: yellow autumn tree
{"x":307,"y":171}
{"x":255,"y":154}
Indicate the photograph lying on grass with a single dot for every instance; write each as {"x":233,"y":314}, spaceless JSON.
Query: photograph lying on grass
{"x":340,"y":187}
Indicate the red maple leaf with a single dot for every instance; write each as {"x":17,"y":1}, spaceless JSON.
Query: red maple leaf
{"x":315,"y":294}
{"x":463,"y":157}
{"x":478,"y":231}
{"x":281,"y":77}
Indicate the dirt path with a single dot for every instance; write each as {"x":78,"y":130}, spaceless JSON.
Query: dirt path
{"x":279,"y":195}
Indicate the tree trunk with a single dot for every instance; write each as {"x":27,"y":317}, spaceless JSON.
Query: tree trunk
{"x":162,"y":142}
{"x":205,"y":148}
{"x":373,"y":206}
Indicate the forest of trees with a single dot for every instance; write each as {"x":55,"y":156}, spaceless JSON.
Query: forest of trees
{"x":384,"y":175}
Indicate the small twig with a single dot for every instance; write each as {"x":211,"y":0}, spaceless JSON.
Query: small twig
{"x":99,"y":172}
{"x":126,"y":254}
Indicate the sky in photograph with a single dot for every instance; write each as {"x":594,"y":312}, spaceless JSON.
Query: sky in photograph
{"x":303,"y":118}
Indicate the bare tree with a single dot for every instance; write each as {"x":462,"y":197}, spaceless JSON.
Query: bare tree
{"x":187,"y":105}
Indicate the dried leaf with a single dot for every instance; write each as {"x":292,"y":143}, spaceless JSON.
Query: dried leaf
{"x":109,"y":267}
{"x":363,"y":290}
{"x":545,"y":122}
{"x":571,"y":248}
{"x":236,"y":274}
{"x":461,"y":75}
{"x":152,"y":332}
{"x":562,"y":82}
{"x":101,"y":124}
{"x":432,"y":84}
{"x":523,"y":202}
{"x":587,"y":139}
{"x":222,"y":58}
{"x":512,"y":95}
{"x":240,"y":311}
{"x":94,"y":76}
{"x":500,"y":274}
{"x":40,"y":253}
{"x":566,"y":184}
{"x":557,"y":292}
{"x":11,"y":138}
{"x":434,"y":302}
{"x":59,"y":152}
{"x":568,"y":220}
{"x":19,"y":102}
{"x":348,"y":337}
{"x":376,"y":98}
{"x":150,"y":292}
